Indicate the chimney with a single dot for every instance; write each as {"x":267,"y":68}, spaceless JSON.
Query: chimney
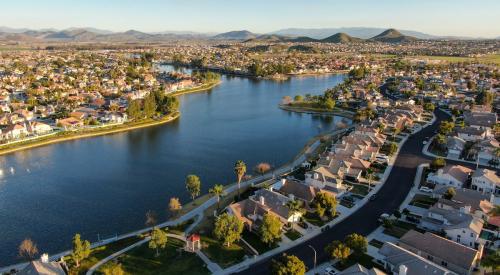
{"x":291,"y":196}
{"x":316,"y":176}
{"x":283,"y":181}
{"x":465,"y":209}
{"x":261,"y":200}
{"x":402,"y":270}
{"x":44,"y":258}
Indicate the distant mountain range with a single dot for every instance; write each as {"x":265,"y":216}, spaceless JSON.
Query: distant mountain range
{"x":327,"y":35}
{"x":361,"y":32}
{"x":387,"y":36}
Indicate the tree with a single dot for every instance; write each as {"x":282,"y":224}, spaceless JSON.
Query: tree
{"x":288,"y":265}
{"x":240,"y":168}
{"x":227,"y":228}
{"x":369,"y":173}
{"x":495,"y":211}
{"x":450,"y":193}
{"x":217,"y":191}
{"x":446,"y":127}
{"x":338,"y":250}
{"x":81,"y":250}
{"x":134,"y":109}
{"x":193,"y":185}
{"x":151,"y":218}
{"x":113,"y":268}
{"x":262,"y":168}
{"x":492,"y":261}
{"x":393,"y":148}
{"x":324,"y":202}
{"x":28,"y":250}
{"x":358,"y":243}
{"x":158,"y":240}
{"x":270,"y":230}
{"x":298,"y":98}
{"x":174,"y":206}
{"x":149,"y":105}
{"x":169,"y":104}
{"x":294,"y":207}
{"x":329,"y":104}
{"x":438,"y":163}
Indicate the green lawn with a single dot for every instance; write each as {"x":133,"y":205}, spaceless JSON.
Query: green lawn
{"x":293,"y":234}
{"x":423,"y":201}
{"x":313,"y":218}
{"x":172,"y":260}
{"x":222,"y":255}
{"x":254,"y":240}
{"x":359,"y":189}
{"x":376,"y":243}
{"x":100,"y":253}
{"x":399,"y":229}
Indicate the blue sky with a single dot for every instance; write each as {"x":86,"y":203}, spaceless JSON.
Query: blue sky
{"x":441,"y":17}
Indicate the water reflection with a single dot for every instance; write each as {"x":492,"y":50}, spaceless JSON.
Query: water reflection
{"x":105,"y":184}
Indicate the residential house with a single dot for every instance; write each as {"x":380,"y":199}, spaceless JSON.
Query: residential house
{"x":451,"y":175}
{"x":358,"y":269}
{"x":299,"y":190}
{"x":449,"y":254}
{"x":467,"y":200}
{"x":455,"y":146}
{"x":458,"y":225}
{"x":402,"y":261}
{"x":69,"y":123}
{"x":42,"y":267}
{"x":487,"y":150}
{"x":252,"y":210}
{"x":486,"y":181}
{"x":39,"y":128}
{"x":470,"y":133}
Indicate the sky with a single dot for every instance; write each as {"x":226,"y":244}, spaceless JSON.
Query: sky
{"x":477,"y":18}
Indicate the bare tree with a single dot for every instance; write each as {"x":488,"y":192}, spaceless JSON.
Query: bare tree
{"x":262,"y":168}
{"x":28,"y":250}
{"x":151,"y":218}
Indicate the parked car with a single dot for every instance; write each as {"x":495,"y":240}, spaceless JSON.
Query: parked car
{"x":425,"y":189}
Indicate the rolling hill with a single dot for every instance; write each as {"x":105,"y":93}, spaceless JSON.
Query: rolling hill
{"x":341,"y":37}
{"x":235,"y":35}
{"x":393,"y":36}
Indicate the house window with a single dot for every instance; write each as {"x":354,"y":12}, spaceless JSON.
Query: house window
{"x":472,"y":235}
{"x":430,"y":258}
{"x":443,"y":263}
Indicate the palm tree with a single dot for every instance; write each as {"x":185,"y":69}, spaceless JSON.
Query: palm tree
{"x":218,"y":191}
{"x":240,"y":168}
{"x":369,"y":172}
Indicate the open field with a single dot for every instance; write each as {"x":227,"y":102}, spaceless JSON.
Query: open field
{"x":487,"y":59}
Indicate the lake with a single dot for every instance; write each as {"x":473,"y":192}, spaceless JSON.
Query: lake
{"x":104,"y":185}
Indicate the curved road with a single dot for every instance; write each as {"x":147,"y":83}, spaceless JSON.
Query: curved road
{"x":364,"y":221}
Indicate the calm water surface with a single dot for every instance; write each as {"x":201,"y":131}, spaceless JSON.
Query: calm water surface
{"x":104,"y":185}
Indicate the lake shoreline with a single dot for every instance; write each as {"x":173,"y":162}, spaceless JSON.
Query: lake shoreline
{"x":68,"y":135}
{"x":306,"y":110}
{"x":106,"y":130}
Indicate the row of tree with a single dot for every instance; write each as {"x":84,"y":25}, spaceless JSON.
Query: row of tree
{"x":155,"y":103}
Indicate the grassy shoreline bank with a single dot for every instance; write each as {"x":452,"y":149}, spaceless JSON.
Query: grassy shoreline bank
{"x":309,"y":110}
{"x":68,"y":135}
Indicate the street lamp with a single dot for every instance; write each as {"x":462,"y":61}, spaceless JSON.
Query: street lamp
{"x":314,"y":256}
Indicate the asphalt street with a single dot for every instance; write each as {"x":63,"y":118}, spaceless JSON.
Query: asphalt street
{"x":364,"y":221}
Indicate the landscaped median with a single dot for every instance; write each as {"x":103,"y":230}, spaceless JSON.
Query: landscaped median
{"x":314,"y":110}
{"x":86,"y":133}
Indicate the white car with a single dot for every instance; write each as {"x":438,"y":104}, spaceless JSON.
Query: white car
{"x":425,"y":189}
{"x":384,"y":217}
{"x":425,"y":142}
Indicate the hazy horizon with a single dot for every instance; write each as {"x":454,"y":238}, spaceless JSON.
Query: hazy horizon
{"x":463,"y":17}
